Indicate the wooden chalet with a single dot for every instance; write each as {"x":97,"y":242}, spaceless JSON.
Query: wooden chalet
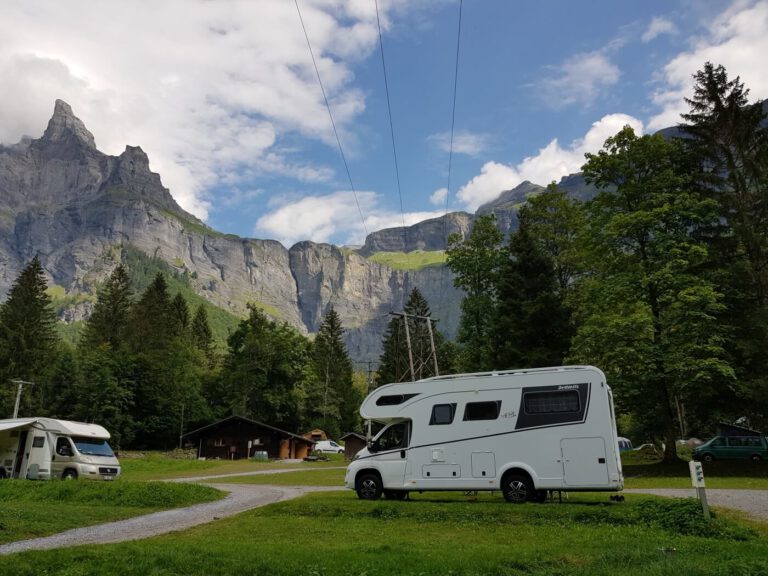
{"x":237,"y":437}
{"x":353,"y":443}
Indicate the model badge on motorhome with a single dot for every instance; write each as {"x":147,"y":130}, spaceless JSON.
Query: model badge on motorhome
{"x":44,"y":448}
{"x":522,"y":432}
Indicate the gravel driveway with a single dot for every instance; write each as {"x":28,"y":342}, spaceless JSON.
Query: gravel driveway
{"x":753,"y":502}
{"x":241,"y":497}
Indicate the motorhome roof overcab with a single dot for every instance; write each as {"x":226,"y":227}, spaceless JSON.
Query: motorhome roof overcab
{"x":45,"y":448}
{"x":521,"y":432}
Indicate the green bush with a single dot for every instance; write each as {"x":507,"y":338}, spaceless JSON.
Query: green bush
{"x":685,"y":516}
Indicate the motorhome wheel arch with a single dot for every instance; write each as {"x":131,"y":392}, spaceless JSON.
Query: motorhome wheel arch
{"x":521,"y":432}
{"x":45,"y":448}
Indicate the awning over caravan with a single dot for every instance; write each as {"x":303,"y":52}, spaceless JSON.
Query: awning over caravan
{"x":16,"y":424}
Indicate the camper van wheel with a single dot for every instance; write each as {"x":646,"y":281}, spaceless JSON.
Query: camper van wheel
{"x":69,"y":475}
{"x":369,"y":487}
{"x":517,"y":488}
{"x":756,"y":458}
{"x":707,"y":457}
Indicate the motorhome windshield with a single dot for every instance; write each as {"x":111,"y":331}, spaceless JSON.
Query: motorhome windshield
{"x":92,"y":446}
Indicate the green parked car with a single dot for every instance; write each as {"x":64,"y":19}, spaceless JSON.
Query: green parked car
{"x":753,"y":448}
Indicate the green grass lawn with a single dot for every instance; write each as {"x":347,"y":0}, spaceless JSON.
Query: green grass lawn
{"x":645,"y":472}
{"x":409,"y":260}
{"x":157,"y":466}
{"x":440,"y":534}
{"x":31,"y":509}
{"x":333,"y":477}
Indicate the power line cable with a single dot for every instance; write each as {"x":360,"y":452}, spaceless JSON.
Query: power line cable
{"x":330,"y":115}
{"x":391,"y":126}
{"x":450,"y":149}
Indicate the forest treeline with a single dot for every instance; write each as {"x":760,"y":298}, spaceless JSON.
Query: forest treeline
{"x":661,"y":280}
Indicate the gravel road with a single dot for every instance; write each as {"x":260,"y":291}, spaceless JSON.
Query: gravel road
{"x":241,"y":497}
{"x":753,"y":502}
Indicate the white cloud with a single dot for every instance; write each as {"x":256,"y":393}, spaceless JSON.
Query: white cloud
{"x":737,"y":39}
{"x":206,"y":89}
{"x":464,"y":142}
{"x":438,"y":196}
{"x":322,"y":218}
{"x":657,"y":27}
{"x":551,"y":163}
{"x":580,"y":79}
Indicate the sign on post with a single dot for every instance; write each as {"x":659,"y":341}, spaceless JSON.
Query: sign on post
{"x":697,"y":479}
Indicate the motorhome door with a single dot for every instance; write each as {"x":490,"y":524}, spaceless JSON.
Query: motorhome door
{"x":390,"y":450}
{"x":584,"y":462}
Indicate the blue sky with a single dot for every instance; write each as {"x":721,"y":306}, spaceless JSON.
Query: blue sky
{"x":223,"y":97}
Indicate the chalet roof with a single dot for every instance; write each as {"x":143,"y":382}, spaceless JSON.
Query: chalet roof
{"x":247,"y":421}
{"x":355,"y":434}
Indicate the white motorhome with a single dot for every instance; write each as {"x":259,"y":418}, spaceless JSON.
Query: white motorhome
{"x":522,"y":432}
{"x":44,"y":448}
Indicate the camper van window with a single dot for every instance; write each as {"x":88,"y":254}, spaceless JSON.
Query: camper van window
{"x":63,"y":447}
{"x":393,"y":438}
{"x":394,"y":399}
{"x":93,"y":446}
{"x":38,"y":442}
{"x":552,"y":402}
{"x":482,"y":410}
{"x":442,"y":414}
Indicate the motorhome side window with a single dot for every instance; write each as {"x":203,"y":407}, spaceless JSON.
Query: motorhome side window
{"x":63,"y":447}
{"x":482,"y":410}
{"x":555,"y":402}
{"x":394,"y":437}
{"x":442,"y":414}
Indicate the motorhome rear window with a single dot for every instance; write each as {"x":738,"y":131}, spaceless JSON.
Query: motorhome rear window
{"x":393,"y":399}
{"x":442,"y":414}
{"x":555,"y":402}
{"x":482,"y":410}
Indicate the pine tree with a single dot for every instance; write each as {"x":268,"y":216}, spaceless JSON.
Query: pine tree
{"x":202,"y":336}
{"x":334,"y":402}
{"x":29,"y":334}
{"x":531,"y":329}
{"x":108,"y":324}
{"x":179,"y":315}
{"x":152,"y":322}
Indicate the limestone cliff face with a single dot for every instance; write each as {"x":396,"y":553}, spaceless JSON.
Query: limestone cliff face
{"x":64,"y":200}
{"x":427,"y":235}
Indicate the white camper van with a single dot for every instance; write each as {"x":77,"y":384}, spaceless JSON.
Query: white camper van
{"x":44,"y":448}
{"x":521,"y":432}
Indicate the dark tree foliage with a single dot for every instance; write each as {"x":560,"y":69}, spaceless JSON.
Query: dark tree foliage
{"x":179,"y":316}
{"x":646,"y":313}
{"x":394,"y":364}
{"x":108,"y":323}
{"x":202,"y":336}
{"x":332,"y":402}
{"x":729,"y":138}
{"x":475,"y":261}
{"x":265,"y":371}
{"x":27,"y":329}
{"x":152,"y":319}
{"x":532,"y":328}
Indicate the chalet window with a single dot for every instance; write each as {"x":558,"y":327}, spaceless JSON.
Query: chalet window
{"x":555,"y":402}
{"x":38,"y":442}
{"x":219,"y":442}
{"x":442,"y":414}
{"x":482,"y":410}
{"x":394,"y":399}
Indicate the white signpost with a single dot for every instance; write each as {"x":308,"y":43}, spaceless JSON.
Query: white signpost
{"x":697,"y":479}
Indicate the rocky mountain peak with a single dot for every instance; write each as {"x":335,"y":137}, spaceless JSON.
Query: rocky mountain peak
{"x":64,"y":126}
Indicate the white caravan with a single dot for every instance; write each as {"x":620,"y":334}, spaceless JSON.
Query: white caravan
{"x":44,"y":448}
{"x":521,"y":432}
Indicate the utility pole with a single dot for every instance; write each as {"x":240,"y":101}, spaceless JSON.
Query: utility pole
{"x":429,"y":321}
{"x":181,"y":426}
{"x":20,"y":384}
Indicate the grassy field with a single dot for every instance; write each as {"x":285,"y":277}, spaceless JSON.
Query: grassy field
{"x":647,"y":471}
{"x":336,"y":534}
{"x":31,"y":509}
{"x":409,"y":260}
{"x":156,"y":466}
